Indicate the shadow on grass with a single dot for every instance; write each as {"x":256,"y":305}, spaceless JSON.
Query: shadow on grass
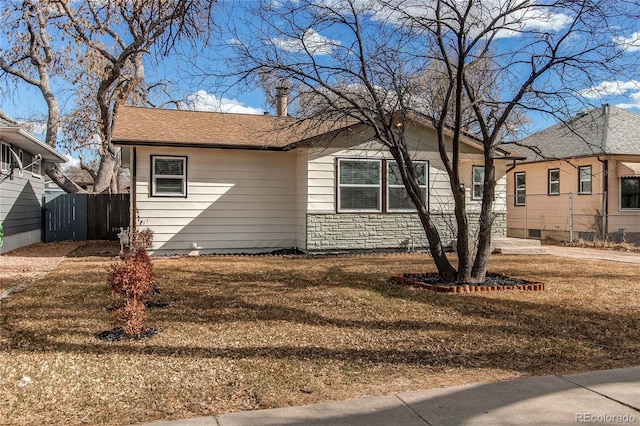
{"x":471,"y":332}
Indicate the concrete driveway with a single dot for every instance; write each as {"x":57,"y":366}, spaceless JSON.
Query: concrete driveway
{"x":593,"y":254}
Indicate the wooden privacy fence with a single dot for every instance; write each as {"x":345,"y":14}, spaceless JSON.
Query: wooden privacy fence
{"x":81,"y":217}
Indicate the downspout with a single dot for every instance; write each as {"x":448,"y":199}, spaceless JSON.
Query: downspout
{"x":133,"y":189}
{"x":605,"y":175}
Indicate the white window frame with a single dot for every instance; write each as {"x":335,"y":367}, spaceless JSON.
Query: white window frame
{"x":21,"y":157}
{"x":154,"y":176}
{"x":620,"y":192}
{"x":38,"y":165}
{"x":517,"y":190}
{"x":348,"y":185}
{"x":474,"y":183}
{"x":422,"y":187}
{"x":549,"y":182}
{"x":580,"y":180}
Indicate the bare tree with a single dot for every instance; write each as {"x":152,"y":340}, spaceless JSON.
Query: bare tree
{"x":366,"y":62}
{"x":98,"y":47}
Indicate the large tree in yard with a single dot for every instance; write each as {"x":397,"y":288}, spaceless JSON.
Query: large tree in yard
{"x":91,"y":55}
{"x":473,"y":68}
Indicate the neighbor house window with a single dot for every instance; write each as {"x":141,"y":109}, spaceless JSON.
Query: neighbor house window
{"x":397,"y":196}
{"x":584,"y":184}
{"x":478,"y":182}
{"x":359,"y":185}
{"x":169,"y":176}
{"x":630,"y":193}
{"x":554,"y":182}
{"x":5,"y":158}
{"x":521,"y":189}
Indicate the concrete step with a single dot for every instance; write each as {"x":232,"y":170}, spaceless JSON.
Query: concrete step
{"x":506,"y":245}
{"x":513,"y":242}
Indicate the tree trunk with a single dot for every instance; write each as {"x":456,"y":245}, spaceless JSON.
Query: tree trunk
{"x":445,"y":269}
{"x":56,"y":175}
{"x":485,"y":224}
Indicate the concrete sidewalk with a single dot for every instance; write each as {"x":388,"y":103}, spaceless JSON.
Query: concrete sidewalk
{"x":593,"y":254}
{"x":601,"y":397}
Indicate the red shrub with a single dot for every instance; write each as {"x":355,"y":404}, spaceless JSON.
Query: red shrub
{"x":132,"y":283}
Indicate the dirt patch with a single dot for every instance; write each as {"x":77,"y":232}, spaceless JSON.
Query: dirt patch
{"x":27,"y":264}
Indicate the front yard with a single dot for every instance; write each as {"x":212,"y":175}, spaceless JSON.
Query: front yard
{"x":243,"y":333}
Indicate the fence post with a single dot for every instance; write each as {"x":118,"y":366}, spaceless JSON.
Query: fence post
{"x":571,"y":216}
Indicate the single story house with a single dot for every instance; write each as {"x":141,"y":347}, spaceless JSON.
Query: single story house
{"x":579,"y":179}
{"x":208,"y":182}
{"x":21,"y":184}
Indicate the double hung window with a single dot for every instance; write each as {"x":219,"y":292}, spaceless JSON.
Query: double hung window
{"x":169,"y":176}
{"x":398,"y":199}
{"x":584,"y":183}
{"x":554,"y":182}
{"x":366,"y":185}
{"x":629,"y":193}
{"x":478,"y":182}
{"x":359,"y":185}
{"x":521,"y":189}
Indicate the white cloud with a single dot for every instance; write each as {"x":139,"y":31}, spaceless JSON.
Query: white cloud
{"x":635,"y":102}
{"x":611,"y":88}
{"x":630,"y":44}
{"x":311,"y":41}
{"x":204,"y":101}
{"x":71,"y":162}
{"x":528,"y":18}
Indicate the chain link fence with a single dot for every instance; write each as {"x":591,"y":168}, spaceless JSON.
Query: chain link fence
{"x":564,"y":217}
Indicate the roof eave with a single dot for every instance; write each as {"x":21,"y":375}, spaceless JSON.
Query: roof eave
{"x":25,"y":140}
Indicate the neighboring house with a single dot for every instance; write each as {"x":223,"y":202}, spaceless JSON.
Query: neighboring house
{"x":21,"y":184}
{"x":209,"y":182}
{"x":581,"y":180}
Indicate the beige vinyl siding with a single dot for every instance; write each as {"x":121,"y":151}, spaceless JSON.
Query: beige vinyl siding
{"x":302,"y":195}
{"x":236,"y":201}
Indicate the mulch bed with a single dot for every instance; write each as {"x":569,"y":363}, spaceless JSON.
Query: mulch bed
{"x":493,"y":282}
{"x":118,"y":334}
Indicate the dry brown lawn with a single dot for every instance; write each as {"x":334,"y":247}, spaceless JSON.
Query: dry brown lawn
{"x":243,"y":333}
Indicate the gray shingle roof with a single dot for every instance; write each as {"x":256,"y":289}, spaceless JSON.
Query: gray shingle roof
{"x":604,"y":130}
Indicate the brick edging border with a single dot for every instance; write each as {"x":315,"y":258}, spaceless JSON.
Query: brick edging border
{"x":464,"y":288}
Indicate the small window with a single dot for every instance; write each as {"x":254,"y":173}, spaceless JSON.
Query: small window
{"x":584,"y":185}
{"x":478,"y":182}
{"x":5,"y":158}
{"x":359,"y":185}
{"x":397,"y":196}
{"x":554,"y":182}
{"x":169,"y":176}
{"x":630,"y":193}
{"x":521,"y":189}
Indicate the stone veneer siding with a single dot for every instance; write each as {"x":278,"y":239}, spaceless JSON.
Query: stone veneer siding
{"x":366,"y":231}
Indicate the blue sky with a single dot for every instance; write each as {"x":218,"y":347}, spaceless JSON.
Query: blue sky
{"x":24,"y":103}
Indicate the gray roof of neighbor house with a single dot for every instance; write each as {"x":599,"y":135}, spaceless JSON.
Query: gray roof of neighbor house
{"x":12,"y":133}
{"x":604,"y":130}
